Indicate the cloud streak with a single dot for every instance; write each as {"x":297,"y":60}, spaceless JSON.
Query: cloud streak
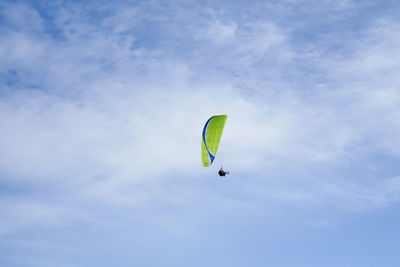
{"x":102,"y":107}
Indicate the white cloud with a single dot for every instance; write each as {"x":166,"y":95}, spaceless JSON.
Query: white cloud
{"x":20,"y":213}
{"x":218,"y":31}
{"x":22,"y":17}
{"x":113,"y":121}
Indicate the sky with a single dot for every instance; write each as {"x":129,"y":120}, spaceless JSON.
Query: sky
{"x":102,"y":106}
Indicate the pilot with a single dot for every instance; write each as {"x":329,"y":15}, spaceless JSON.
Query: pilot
{"x":221,"y":172}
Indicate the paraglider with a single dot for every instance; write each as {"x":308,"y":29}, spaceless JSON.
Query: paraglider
{"x":221,"y":172}
{"x":211,"y":137}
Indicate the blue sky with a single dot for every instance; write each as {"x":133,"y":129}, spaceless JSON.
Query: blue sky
{"x":101,"y":110}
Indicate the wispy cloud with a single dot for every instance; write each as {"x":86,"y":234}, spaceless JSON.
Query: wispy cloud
{"x":122,"y":119}
{"x":101,"y":110}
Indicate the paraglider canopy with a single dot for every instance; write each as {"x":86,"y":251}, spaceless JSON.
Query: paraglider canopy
{"x":211,"y":136}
